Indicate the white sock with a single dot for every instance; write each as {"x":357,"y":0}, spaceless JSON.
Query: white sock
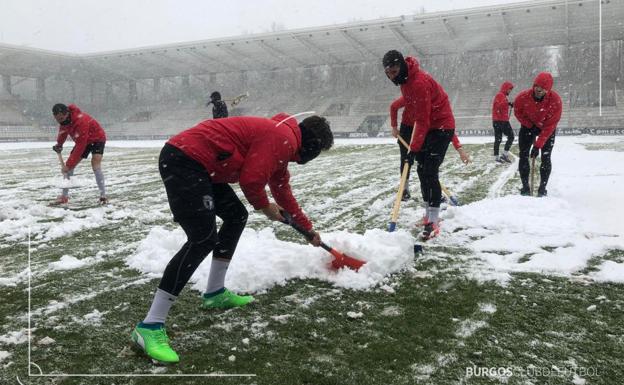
{"x":216,"y":278}
{"x":99,"y":179}
{"x":65,"y":192}
{"x":506,"y":153}
{"x":160,"y":307}
{"x":434,"y":214}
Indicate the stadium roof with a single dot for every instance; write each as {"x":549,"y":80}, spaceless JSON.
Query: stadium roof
{"x":525,"y":24}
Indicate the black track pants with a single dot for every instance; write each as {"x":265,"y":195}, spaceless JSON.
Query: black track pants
{"x":526,"y":137}
{"x":433,"y":152}
{"x":500,"y":128}
{"x":195,"y":203}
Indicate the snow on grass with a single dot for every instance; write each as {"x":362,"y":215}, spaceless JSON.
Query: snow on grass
{"x":566,"y":234}
{"x":46,"y":341}
{"x":94,"y":318}
{"x":468,"y":327}
{"x":67,"y":262}
{"x":555,"y":235}
{"x":609,"y":271}
{"x":515,"y":233}
{"x":391,"y":311}
{"x":487,"y":308}
{"x":354,"y":315}
{"x":14,"y":338}
{"x":4,"y":355}
{"x":14,"y":280}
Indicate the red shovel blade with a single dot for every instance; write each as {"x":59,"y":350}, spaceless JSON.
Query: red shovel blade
{"x":342,"y":260}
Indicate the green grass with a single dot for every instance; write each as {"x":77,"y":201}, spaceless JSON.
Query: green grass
{"x":423,"y":325}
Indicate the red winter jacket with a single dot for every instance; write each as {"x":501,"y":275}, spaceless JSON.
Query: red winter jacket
{"x":84,"y":130}
{"x":400,"y":103}
{"x":543,"y":114}
{"x":426,"y":104}
{"x":500,"y":105}
{"x":260,"y":150}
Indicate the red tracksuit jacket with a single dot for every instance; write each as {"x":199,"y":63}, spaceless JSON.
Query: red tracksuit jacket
{"x":400,"y":103}
{"x":84,"y":130}
{"x":260,"y":150}
{"x":543,"y":114}
{"x":426,"y":104}
{"x":500,"y":105}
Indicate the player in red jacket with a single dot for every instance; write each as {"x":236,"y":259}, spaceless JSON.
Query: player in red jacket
{"x":434,"y":128}
{"x":538,"y":109}
{"x":88,"y":137}
{"x":500,"y":121}
{"x":406,"y":128}
{"x":197,"y":167}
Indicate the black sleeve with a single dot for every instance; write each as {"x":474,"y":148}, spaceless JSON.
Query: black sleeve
{"x":219,"y":110}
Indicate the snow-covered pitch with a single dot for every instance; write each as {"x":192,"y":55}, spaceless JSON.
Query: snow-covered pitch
{"x":95,"y":267}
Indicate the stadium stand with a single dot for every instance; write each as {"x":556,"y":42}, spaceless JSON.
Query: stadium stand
{"x":155,"y":92}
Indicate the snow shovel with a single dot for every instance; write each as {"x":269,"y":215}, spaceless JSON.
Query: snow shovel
{"x":340,"y":260}
{"x":399,"y":197}
{"x":452,"y":198}
{"x":62,"y":162}
{"x":397,"y":202}
{"x":532,"y":175}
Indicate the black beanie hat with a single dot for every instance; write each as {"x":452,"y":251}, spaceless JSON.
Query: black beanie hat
{"x":59,"y":108}
{"x":215,"y":96}
{"x":392,"y":58}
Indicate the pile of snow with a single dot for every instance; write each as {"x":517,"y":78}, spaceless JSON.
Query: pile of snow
{"x":262,"y":261}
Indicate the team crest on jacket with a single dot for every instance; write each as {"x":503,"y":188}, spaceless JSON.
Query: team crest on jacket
{"x":208,"y":202}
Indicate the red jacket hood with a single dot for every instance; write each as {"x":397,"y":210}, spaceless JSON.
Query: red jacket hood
{"x":506,"y":87}
{"x":413,"y":67}
{"x":544,"y":80}
{"x":287,"y":119}
{"x":284,"y":118}
{"x":74,"y":109}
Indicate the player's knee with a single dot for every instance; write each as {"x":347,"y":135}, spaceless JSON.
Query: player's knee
{"x":203,"y":246}
{"x":236,"y":213}
{"x":241,"y":214}
{"x":431,"y":170}
{"x":199,"y":231}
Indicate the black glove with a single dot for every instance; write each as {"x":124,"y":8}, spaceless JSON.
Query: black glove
{"x":57,"y":148}
{"x":534,"y":152}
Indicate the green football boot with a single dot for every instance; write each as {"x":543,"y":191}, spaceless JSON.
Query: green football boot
{"x":225,"y":299}
{"x":154,"y":341}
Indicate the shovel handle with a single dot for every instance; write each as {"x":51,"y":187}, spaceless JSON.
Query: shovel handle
{"x":309,"y":236}
{"x":340,"y":260}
